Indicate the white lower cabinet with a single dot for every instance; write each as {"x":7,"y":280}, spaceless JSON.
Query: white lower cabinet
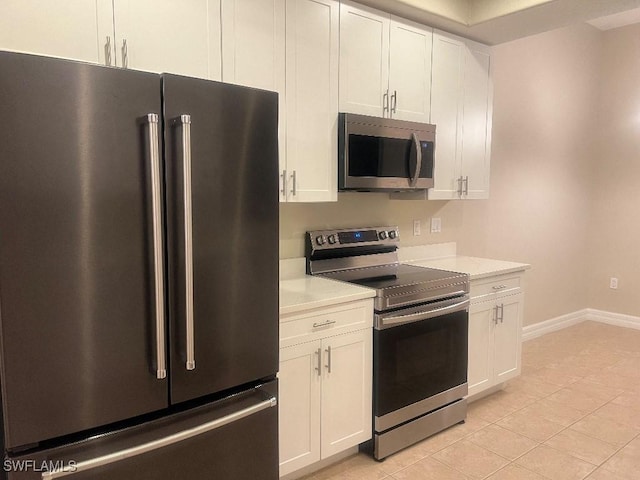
{"x":325,"y":384}
{"x":495,"y":333}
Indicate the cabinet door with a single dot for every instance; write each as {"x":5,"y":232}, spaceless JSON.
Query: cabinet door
{"x":75,"y":29}
{"x":253,"y":50}
{"x":477,"y":106}
{"x":346,"y":391}
{"x":168,"y":36}
{"x":253,"y":36}
{"x":299,"y":406}
{"x":410,"y":71}
{"x":481,"y":326}
{"x":446,"y":113}
{"x":312,"y":100}
{"x":508,"y":338}
{"x":364,"y":60}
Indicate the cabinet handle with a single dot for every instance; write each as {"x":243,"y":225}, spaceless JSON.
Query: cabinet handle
{"x":502,"y":313}
{"x":107,"y":52}
{"x":394,"y":101}
{"x":499,"y":287}
{"x":385,"y":102}
{"x":459,"y":191}
{"x":125,"y":54}
{"x":284,"y":184}
{"x":318,"y":366}
{"x":293,"y":183}
{"x":466,"y":185}
{"x":328,"y":350}
{"x":495,"y":315}
{"x":324,"y":324}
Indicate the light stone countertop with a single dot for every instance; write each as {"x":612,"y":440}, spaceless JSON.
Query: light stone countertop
{"x":443,"y":257}
{"x":300,"y":292}
{"x":477,"y":268}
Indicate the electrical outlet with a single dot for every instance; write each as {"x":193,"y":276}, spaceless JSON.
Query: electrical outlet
{"x":613,"y":283}
{"x":416,"y":228}
{"x":436,"y":225}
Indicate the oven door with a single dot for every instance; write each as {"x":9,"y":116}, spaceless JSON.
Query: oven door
{"x":420,"y":360}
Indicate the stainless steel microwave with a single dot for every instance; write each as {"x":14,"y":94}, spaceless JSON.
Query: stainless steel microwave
{"x":384,"y":154}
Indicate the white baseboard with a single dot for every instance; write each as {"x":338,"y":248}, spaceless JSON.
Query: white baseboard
{"x":563,"y":321}
{"x":617,"y":319}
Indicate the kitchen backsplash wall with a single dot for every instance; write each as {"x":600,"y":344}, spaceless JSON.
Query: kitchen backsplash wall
{"x":545,"y":97}
{"x":355,"y":209}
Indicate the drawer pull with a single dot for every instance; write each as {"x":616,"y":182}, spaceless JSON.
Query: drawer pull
{"x":499,"y":287}
{"x":324,"y":324}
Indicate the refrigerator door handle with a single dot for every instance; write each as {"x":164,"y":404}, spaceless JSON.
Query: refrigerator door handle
{"x":161,"y":442}
{"x":184,"y":121}
{"x":152,"y":121}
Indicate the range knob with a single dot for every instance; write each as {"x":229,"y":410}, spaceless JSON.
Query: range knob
{"x":393,"y":234}
{"x":333,"y":239}
{"x":382,"y":235}
{"x":320,"y":240}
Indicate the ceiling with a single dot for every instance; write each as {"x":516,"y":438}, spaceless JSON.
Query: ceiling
{"x":498,"y":21}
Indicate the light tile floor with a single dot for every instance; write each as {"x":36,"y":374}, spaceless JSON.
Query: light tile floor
{"x":574,"y":413}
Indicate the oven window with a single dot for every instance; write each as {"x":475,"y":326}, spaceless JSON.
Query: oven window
{"x":387,"y":157}
{"x":415,"y":361}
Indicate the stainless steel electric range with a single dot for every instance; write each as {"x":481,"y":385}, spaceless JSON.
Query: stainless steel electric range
{"x":420,"y":336}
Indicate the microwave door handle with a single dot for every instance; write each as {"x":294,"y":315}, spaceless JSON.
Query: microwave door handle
{"x":416,"y":175}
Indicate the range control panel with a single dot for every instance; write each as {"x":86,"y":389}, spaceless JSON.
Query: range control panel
{"x":326,"y":239}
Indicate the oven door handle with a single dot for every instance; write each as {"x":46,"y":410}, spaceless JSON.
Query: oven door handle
{"x":385,"y":322}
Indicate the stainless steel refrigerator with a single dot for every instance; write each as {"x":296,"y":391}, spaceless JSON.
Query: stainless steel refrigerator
{"x":138,"y":274}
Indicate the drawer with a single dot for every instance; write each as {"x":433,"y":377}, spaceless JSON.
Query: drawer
{"x":481,"y":290}
{"x":325,"y":322}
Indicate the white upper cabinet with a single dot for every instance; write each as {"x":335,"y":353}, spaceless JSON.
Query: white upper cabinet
{"x":168,"y":36}
{"x":253,"y":36}
{"x":477,"y":116}
{"x":461,"y":109}
{"x":75,"y":29}
{"x":253,"y":54}
{"x":410,"y":71}
{"x":385,"y":64}
{"x":308,"y":174}
{"x":364,"y":60}
{"x":446,"y":113}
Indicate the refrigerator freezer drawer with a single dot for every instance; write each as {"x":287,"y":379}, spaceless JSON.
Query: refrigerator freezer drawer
{"x":234,"y":438}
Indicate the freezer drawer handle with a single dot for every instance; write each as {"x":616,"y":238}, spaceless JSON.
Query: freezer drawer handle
{"x":162,"y":442}
{"x":154,"y":159}
{"x":184,"y":121}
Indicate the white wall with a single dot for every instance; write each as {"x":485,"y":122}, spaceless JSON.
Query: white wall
{"x":615,"y":223}
{"x":546,"y":89}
